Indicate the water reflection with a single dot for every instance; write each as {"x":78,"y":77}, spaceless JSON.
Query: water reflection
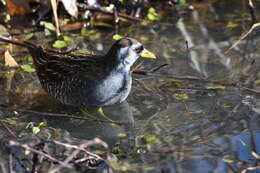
{"x":109,"y":132}
{"x":225,"y":142}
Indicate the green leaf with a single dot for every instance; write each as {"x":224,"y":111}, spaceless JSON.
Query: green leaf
{"x":121,"y":134}
{"x":216,"y":87}
{"x":144,"y":23}
{"x":48,"y":25}
{"x":228,"y":159}
{"x":150,"y":139}
{"x":169,"y":138}
{"x":59,"y":44}
{"x":47,"y":32}
{"x":9,"y":121}
{"x":144,"y":38}
{"x":91,"y":34}
{"x":232,"y":25}
{"x":41,"y":124}
{"x":28,"y":68}
{"x":95,"y":36}
{"x":117,"y":37}
{"x":98,"y":152}
{"x":27,"y":36}
{"x":182,"y":2}
{"x":226,"y":106}
{"x":68,"y":40}
{"x":180,"y":96}
{"x":153,"y":15}
{"x":103,"y":24}
{"x":84,"y":31}
{"x":35,"y":130}
{"x":117,"y":150}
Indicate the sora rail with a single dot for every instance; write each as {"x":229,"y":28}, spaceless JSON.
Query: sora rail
{"x":86,"y":80}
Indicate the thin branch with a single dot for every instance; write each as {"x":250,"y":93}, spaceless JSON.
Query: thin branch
{"x":132,"y":18}
{"x":65,"y":115}
{"x":158,"y":68}
{"x":27,"y":147}
{"x":255,"y":26}
{"x":250,"y":169}
{"x":180,"y":78}
{"x":8,"y":128}
{"x":194,"y":79}
{"x":78,"y":148}
{"x":95,"y":141}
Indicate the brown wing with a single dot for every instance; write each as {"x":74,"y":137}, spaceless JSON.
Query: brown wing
{"x":60,"y":67}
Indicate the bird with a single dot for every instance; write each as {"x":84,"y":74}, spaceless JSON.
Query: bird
{"x":86,"y":80}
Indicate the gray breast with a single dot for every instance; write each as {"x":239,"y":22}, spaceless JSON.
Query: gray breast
{"x":113,"y":88}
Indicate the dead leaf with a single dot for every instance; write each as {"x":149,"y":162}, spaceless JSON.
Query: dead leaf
{"x":9,"y":60}
{"x":72,"y":26}
{"x":4,"y":31}
{"x":19,"y":7}
{"x":9,"y":79}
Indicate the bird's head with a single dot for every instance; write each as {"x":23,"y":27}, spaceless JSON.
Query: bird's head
{"x":127,"y":51}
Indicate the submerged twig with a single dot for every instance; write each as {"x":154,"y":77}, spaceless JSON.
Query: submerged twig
{"x":188,"y":78}
{"x":27,"y":147}
{"x":76,"y":147}
{"x":65,"y":115}
{"x":95,"y":141}
{"x":242,"y":37}
{"x":250,"y":169}
{"x":158,"y":68}
{"x":8,"y":128}
{"x":71,"y":159}
{"x":180,"y":78}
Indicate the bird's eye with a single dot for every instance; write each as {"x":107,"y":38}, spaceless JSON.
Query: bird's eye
{"x":138,"y":49}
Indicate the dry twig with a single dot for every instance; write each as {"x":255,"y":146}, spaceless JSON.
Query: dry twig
{"x":128,"y":17}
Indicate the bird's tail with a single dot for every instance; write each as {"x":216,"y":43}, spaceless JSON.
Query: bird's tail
{"x":37,"y":52}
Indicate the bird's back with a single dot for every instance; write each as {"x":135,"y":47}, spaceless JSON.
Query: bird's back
{"x":67,"y":77}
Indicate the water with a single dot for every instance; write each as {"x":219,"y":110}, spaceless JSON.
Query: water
{"x":168,"y":125}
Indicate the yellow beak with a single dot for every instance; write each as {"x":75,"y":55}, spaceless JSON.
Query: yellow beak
{"x":147,"y":54}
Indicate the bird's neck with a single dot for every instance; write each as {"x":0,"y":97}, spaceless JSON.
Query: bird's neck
{"x":123,"y":68}
{"x":115,"y":63}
